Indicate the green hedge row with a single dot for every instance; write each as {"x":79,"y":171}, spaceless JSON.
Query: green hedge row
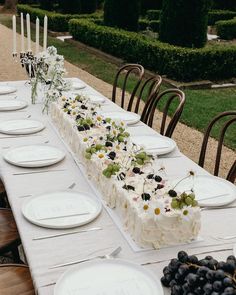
{"x":217,"y":15}
{"x":153,"y":25}
{"x":183,"y":64}
{"x":153,"y":14}
{"x":56,"y":22}
{"x":226,"y":29}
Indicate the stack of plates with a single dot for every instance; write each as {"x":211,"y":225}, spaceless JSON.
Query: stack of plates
{"x":159,"y":145}
{"x":109,"y":277}
{"x":128,"y":117}
{"x":61,"y":209}
{"x":33,"y":156}
{"x":7,"y":90}
{"x":21,"y":127}
{"x":12,"y":105}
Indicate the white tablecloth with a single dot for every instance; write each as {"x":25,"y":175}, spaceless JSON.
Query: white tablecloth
{"x":44,"y":253}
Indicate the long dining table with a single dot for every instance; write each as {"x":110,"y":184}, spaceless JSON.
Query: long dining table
{"x":23,"y":183}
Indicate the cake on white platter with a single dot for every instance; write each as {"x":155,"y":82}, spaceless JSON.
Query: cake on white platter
{"x":151,"y":210}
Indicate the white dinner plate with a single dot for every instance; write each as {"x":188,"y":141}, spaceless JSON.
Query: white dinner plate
{"x":33,"y":156}
{"x":128,"y":117}
{"x":21,"y":127}
{"x":210,"y":191}
{"x":97,"y":99}
{"x":12,"y":105}
{"x":108,"y":277}
{"x":61,"y":209}
{"x":7,"y":90}
{"x":159,"y":145}
{"x":78,"y":85}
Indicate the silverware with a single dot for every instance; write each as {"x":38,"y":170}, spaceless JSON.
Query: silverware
{"x":41,"y":171}
{"x":23,"y":128}
{"x":36,"y":160}
{"x":72,"y":185}
{"x":213,"y":197}
{"x":17,"y":136}
{"x":67,"y":233}
{"x":217,"y":208}
{"x":113,"y":254}
{"x":225,"y":238}
{"x":169,"y":157}
{"x":63,"y":216}
{"x":25,"y":196}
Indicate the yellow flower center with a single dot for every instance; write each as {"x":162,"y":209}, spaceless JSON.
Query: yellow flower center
{"x":157,"y":211}
{"x":145,"y":207}
{"x":85,"y":139}
{"x":99,"y":118}
{"x":126,"y":206}
{"x":100,"y":156}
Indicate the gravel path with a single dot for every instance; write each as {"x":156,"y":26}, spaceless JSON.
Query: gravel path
{"x":189,"y":140}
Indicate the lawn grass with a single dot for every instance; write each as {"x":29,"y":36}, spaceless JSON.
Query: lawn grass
{"x":201,"y":105}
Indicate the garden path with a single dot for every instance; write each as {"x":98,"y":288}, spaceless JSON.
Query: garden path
{"x":189,"y":140}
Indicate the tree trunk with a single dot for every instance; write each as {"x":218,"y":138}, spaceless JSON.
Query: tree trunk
{"x":10,"y":4}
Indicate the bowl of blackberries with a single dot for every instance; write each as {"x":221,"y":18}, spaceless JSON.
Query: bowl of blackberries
{"x":188,"y":275}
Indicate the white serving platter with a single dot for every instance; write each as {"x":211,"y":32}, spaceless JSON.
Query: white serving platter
{"x":61,"y":209}
{"x":97,"y":99}
{"x":108,"y":277}
{"x":7,"y":89}
{"x":128,"y":117}
{"x":33,"y":156}
{"x":21,"y":127}
{"x":12,"y":105}
{"x":158,"y":145}
{"x":210,"y":191}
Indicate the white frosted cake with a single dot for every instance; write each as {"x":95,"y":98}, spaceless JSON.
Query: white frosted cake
{"x":151,"y":210}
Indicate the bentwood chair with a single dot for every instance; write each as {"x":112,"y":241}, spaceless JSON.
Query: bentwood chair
{"x":230,"y":117}
{"x":9,"y":237}
{"x":15,"y":279}
{"x":150,"y":87}
{"x":170,"y":96}
{"x":124,"y":75}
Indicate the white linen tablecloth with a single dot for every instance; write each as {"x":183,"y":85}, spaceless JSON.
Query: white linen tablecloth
{"x":42,"y":254}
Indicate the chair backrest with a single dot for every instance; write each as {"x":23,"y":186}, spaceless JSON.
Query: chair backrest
{"x":148,"y":88}
{"x":127,"y":70}
{"x":232,"y":173}
{"x":170,"y":96}
{"x":230,"y":117}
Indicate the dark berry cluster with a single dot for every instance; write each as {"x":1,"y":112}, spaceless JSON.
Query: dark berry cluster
{"x":157,"y":178}
{"x":186,"y":275}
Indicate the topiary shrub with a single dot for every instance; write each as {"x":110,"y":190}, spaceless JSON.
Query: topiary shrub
{"x":224,"y":4}
{"x":150,"y":4}
{"x":47,"y":4}
{"x":226,"y":29}
{"x":122,"y":14}
{"x":71,"y":7}
{"x":184,"y":22}
{"x":88,"y":6}
{"x":153,"y":14}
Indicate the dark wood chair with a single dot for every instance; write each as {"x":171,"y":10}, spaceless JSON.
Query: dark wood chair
{"x":9,"y":237}
{"x":169,"y":96}
{"x":123,"y":75}
{"x":15,"y":279}
{"x":150,"y":87}
{"x":230,"y":117}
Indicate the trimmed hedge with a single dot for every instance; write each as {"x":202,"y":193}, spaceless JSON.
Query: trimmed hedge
{"x":153,"y":14}
{"x":226,"y":29}
{"x":56,"y":21}
{"x":150,"y":4}
{"x":217,"y":15}
{"x":224,"y":4}
{"x":183,"y":64}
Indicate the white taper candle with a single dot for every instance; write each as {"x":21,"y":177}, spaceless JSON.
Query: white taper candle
{"x":45,"y":32}
{"x":37,"y":37}
{"x":14,"y":34}
{"x":22,"y":33}
{"x":28,"y":32}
